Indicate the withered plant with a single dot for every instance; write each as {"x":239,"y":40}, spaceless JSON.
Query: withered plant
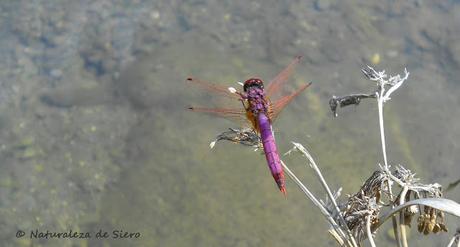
{"x":390,"y":192}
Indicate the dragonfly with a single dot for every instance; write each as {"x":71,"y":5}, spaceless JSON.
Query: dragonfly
{"x":260,"y":106}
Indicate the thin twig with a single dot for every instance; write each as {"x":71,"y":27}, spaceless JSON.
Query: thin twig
{"x":382,"y":129}
{"x":317,"y":203}
{"x":313,"y":165}
{"x":308,"y":193}
{"x":336,"y":236}
{"x":452,"y":241}
{"x":396,"y":231}
{"x":402,"y":227}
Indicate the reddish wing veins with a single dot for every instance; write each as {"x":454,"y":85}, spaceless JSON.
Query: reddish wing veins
{"x":276,"y":83}
{"x":236,"y":115}
{"x":214,"y":88}
{"x":279,"y":105}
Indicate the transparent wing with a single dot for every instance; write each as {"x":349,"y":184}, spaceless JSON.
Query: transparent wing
{"x":214,"y":88}
{"x":232,"y":114}
{"x":279,"y":105}
{"x":276,"y":83}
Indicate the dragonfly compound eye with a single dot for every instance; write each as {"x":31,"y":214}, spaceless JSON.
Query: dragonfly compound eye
{"x":253,"y":82}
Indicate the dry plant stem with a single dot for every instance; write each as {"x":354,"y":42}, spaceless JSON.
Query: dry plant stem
{"x":313,"y":165}
{"x":402,"y":227}
{"x":396,"y":231}
{"x":323,"y":210}
{"x":307,"y":192}
{"x":451,"y":242}
{"x":337,"y":229}
{"x":382,"y":130}
{"x":322,"y":180}
{"x":386,"y":168}
{"x":336,"y":237}
{"x":442,"y":204}
{"x":455,"y":238}
{"x":368,"y":230}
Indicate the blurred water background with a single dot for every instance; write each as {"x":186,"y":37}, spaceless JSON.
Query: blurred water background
{"x":94,"y":134}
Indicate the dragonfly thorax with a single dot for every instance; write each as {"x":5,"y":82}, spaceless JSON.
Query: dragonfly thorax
{"x":256,"y":98}
{"x":253,"y":82}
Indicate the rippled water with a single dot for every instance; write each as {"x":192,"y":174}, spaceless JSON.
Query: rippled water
{"x":95,"y":135}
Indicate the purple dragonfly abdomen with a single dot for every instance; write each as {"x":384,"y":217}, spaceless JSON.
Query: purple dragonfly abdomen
{"x":259,"y":112}
{"x":271,"y":152}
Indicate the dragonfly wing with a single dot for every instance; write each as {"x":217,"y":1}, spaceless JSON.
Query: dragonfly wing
{"x":279,"y":105}
{"x":277,"y":82}
{"x":214,"y":88}
{"x":235,"y":115}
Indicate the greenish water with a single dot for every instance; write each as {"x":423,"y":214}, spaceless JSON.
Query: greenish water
{"x":95,"y":134}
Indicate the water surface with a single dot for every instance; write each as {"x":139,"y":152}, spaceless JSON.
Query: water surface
{"x":95,"y":135}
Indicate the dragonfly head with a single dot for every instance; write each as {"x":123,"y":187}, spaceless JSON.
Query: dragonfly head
{"x":253,"y":82}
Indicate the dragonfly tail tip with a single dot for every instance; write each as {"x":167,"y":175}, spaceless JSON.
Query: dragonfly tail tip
{"x":283,"y":190}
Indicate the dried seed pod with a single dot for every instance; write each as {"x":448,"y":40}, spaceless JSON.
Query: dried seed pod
{"x":426,"y":209}
{"x":426,"y":229}
{"x":431,"y":223}
{"x":443,"y":227}
{"x":421,"y":223}
{"x":408,"y":217}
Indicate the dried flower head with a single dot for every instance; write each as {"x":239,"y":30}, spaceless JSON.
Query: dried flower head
{"x":244,"y":136}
